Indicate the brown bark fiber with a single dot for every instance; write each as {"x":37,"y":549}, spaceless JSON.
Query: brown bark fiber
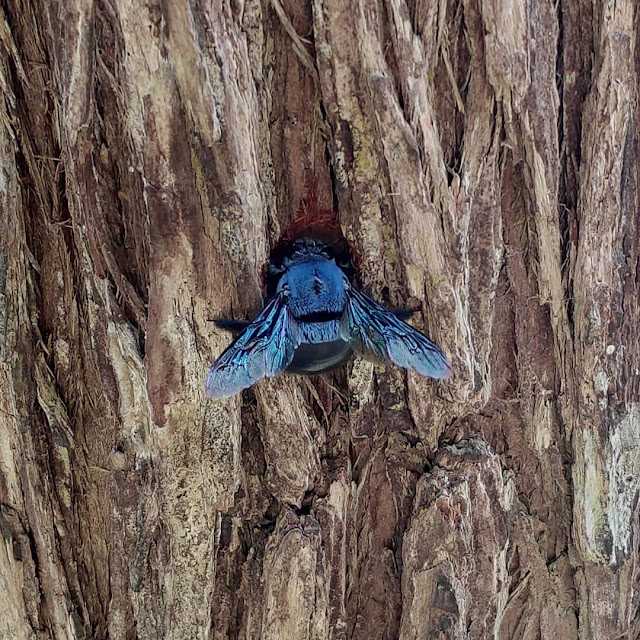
{"x":483,"y":160}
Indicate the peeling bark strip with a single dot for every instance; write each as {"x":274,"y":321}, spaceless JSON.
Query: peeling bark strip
{"x":483,"y":158}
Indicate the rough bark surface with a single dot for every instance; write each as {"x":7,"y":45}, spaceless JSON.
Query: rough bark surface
{"x":482,"y":156}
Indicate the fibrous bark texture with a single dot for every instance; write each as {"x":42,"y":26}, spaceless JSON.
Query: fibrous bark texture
{"x":482,"y":158}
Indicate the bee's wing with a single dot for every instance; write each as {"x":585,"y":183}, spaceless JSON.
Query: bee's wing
{"x":264,"y":348}
{"x":372,"y":329}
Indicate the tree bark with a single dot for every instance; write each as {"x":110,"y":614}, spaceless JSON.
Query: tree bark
{"x":482,"y":158}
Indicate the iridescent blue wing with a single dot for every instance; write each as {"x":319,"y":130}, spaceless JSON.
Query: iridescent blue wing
{"x":264,"y":348}
{"x":372,"y":329}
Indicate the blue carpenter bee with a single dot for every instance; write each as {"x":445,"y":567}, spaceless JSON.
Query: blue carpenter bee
{"x":315,"y":319}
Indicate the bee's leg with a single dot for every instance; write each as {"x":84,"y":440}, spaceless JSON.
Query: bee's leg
{"x":404,"y":314}
{"x":234,"y":326}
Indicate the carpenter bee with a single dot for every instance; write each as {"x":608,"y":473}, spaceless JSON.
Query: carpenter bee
{"x":314,"y":321}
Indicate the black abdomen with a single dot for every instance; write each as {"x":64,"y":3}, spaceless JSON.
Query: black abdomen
{"x":318,"y":358}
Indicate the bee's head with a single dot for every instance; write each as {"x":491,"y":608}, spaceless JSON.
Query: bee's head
{"x":306,"y":250}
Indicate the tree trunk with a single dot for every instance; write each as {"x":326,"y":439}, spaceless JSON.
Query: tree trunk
{"x":483,"y":161}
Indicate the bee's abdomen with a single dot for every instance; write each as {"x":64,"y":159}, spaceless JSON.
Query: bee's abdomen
{"x":317,"y":358}
{"x":321,"y":349}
